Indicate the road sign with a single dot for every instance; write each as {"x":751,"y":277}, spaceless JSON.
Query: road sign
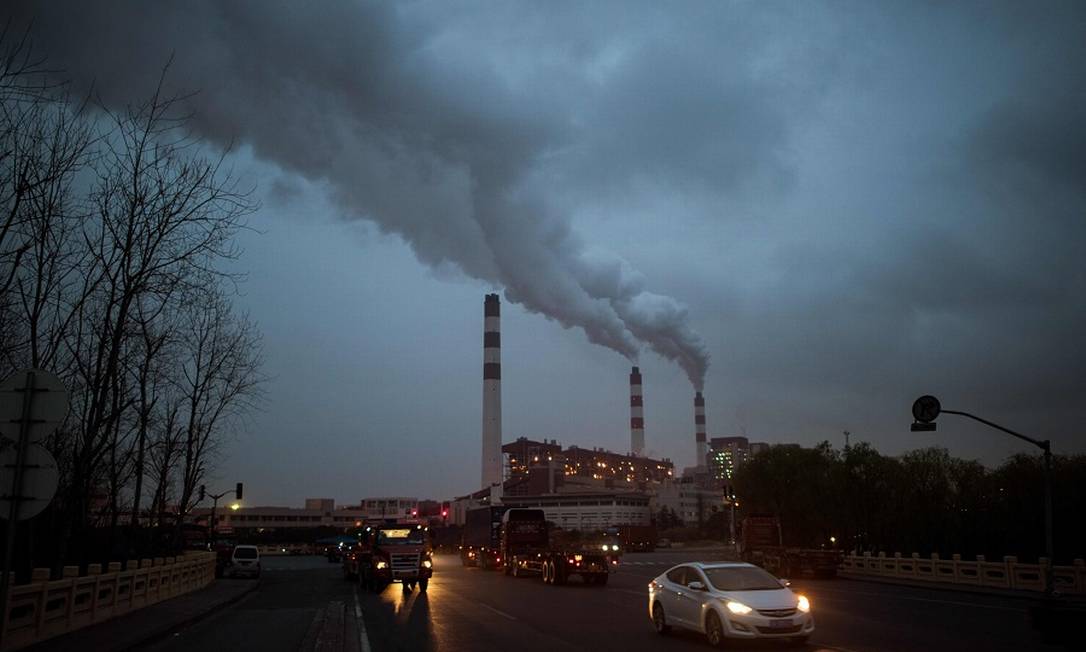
{"x":39,"y":481}
{"x":926,"y":409}
{"x":48,"y":409}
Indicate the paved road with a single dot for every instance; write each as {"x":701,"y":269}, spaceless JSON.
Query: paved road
{"x":304,"y":604}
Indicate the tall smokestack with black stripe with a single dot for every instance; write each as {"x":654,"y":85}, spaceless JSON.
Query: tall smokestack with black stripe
{"x":637,"y":415}
{"x":492,"y":392}
{"x":699,"y":429}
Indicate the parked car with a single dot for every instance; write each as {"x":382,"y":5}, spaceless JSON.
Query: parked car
{"x":663,"y":543}
{"x":728,"y":601}
{"x":244,"y":562}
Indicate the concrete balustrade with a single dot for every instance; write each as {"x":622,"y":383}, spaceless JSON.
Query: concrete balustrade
{"x":44,"y":608}
{"x":1005,"y":574}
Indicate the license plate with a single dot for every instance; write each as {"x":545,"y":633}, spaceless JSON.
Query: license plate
{"x":780,"y":624}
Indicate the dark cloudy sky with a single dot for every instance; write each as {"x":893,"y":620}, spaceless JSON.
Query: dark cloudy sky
{"x":822,"y":209}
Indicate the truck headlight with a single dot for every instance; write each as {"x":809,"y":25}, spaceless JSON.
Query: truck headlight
{"x":381,"y":565}
{"x":804,"y":604}
{"x":426,"y":563}
{"x":738,"y":608}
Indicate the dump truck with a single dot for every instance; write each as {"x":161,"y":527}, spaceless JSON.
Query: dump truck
{"x":528,"y":547}
{"x":762,"y":543}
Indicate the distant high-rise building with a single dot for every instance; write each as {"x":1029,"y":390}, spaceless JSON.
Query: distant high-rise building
{"x":726,"y":455}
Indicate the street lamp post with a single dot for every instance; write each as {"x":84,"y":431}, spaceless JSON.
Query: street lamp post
{"x":925,"y":411}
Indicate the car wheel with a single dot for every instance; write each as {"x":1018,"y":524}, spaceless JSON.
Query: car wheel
{"x":659,"y":620}
{"x":714,"y":630}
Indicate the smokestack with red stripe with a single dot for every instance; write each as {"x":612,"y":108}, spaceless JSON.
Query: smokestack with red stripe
{"x":492,"y":392}
{"x":699,"y":428}
{"x":637,"y":416}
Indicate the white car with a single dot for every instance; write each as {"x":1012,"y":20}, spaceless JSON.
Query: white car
{"x":244,"y":562}
{"x":728,"y":600}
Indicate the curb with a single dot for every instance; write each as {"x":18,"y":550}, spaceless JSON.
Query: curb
{"x":211,"y":609}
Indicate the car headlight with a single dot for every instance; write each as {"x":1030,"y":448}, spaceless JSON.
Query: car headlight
{"x":738,"y":608}
{"x":605,"y":547}
{"x":614,"y":547}
{"x":382,"y":564}
{"x":426,"y":563}
{"x":804,"y":604}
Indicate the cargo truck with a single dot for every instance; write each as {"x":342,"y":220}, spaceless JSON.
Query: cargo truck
{"x":528,"y":547}
{"x":480,"y":543}
{"x":392,"y":553}
{"x":762,"y":543}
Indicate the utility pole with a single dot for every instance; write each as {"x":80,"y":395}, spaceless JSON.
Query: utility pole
{"x":847,"y":433}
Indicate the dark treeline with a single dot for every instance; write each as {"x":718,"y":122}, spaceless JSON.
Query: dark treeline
{"x":113,"y":231}
{"x":924,"y":501}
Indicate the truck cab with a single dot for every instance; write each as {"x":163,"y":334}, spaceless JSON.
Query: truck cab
{"x":395,"y":553}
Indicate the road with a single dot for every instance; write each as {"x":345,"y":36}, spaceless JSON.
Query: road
{"x":304,"y":604}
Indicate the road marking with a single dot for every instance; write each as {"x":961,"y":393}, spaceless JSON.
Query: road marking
{"x":497,"y":611}
{"x":363,"y":637}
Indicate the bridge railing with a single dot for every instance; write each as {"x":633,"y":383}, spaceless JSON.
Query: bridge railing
{"x":45,"y":608}
{"x":1006,"y":574}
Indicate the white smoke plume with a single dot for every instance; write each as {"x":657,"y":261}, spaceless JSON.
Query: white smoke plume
{"x":427,"y":141}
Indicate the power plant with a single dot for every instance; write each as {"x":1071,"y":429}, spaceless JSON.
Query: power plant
{"x":492,"y":457}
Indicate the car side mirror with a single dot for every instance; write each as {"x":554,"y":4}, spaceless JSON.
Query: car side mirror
{"x":785,"y":583}
{"x":696,"y":586}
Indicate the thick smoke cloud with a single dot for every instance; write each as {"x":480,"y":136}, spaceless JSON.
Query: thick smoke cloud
{"x":363,"y":98}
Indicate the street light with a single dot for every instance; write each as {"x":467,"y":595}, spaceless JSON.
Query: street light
{"x":927,"y":408}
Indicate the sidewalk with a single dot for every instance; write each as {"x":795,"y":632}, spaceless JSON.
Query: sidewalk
{"x":146,"y":625}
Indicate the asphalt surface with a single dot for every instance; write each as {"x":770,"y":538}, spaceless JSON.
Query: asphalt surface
{"x":304,"y":604}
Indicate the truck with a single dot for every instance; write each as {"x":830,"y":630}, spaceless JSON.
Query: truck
{"x":528,"y":547}
{"x":480,"y":542}
{"x":639,"y":538}
{"x":762,"y":543}
{"x":391,"y":553}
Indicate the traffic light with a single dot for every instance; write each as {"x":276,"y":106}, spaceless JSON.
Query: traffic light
{"x":237,"y":492}
{"x":202,"y":493}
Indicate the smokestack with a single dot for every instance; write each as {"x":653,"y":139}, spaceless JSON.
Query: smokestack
{"x":492,"y":392}
{"x":637,"y":416}
{"x":699,"y":428}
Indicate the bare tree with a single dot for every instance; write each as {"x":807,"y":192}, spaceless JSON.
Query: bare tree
{"x":220,"y":381}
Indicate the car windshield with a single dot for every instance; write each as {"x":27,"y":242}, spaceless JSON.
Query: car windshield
{"x":400,"y":536}
{"x":245,"y":553}
{"x":741,"y":579}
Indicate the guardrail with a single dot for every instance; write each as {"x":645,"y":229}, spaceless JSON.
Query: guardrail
{"x":1007,"y":574}
{"x":46,"y":608}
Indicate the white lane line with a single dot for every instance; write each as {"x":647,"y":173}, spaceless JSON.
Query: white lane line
{"x":832,"y":647}
{"x":497,"y":611}
{"x":363,"y":637}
